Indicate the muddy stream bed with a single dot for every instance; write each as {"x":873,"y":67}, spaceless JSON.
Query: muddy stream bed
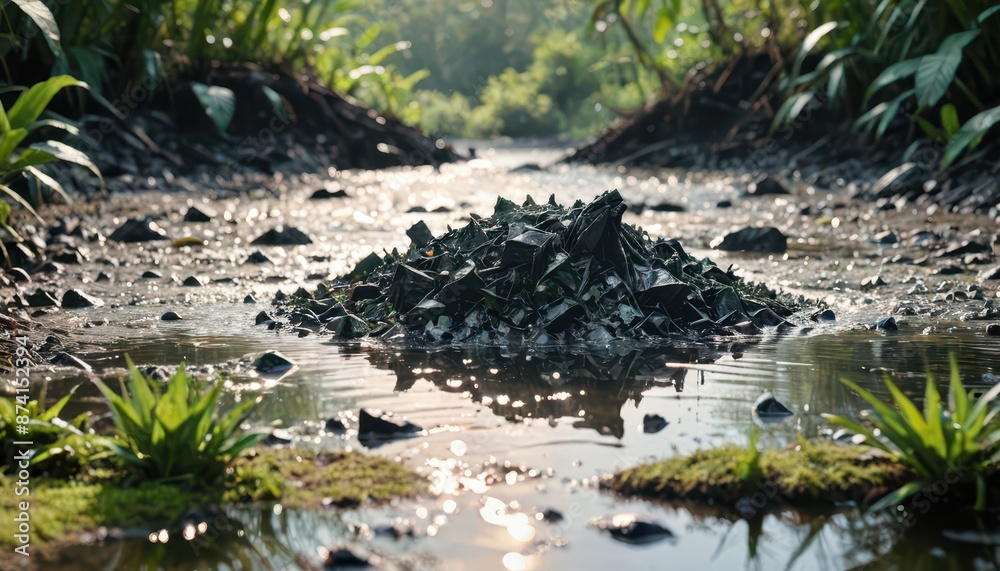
{"x":516,"y":439}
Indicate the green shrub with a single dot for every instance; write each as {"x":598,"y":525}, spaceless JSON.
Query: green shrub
{"x":960,"y":438}
{"x":63,"y":447}
{"x":176,"y":434}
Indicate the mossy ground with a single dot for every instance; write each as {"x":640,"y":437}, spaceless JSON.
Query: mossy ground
{"x":61,"y":509}
{"x":803,"y":475}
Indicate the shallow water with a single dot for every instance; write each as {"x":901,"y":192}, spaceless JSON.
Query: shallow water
{"x":519,"y":431}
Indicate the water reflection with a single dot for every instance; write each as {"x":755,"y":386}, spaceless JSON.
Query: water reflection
{"x":589,"y":387}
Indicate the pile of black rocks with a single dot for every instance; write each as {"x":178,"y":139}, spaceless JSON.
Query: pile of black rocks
{"x":537,"y":274}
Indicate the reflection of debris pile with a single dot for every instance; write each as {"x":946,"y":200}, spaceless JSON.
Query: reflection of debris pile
{"x":541,"y":274}
{"x":589,"y":387}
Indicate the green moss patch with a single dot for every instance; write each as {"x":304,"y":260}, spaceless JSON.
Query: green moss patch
{"x":61,"y":509}
{"x":807,"y":474}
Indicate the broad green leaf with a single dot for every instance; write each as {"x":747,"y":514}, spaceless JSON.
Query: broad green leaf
{"x":663,"y":24}
{"x":276,"y":102}
{"x":949,"y":120}
{"x":892,"y":74}
{"x":8,"y":143}
{"x":810,"y":42}
{"x":20,"y":200}
{"x":934,"y":76}
{"x":897,"y":497}
{"x":987,"y":13}
{"x":64,"y":152}
{"x":890,"y":113}
{"x":50,"y":182}
{"x":218,"y":102}
{"x":975,"y":127}
{"x":30,"y":104}
{"x":40,"y":14}
{"x":956,"y":42}
{"x":4,"y":212}
{"x":791,"y":108}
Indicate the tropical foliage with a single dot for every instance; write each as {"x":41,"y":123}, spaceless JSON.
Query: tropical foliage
{"x":951,"y":441}
{"x":177,"y":434}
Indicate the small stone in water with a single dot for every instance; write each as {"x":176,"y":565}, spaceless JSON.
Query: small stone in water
{"x":195,"y":215}
{"x":993,"y":329}
{"x":653,"y":423}
{"x":377,"y":424}
{"x":257,"y":258}
{"x":74,"y":299}
{"x":170,"y":316}
{"x":249,"y":299}
{"x":633,"y":528}
{"x":872,"y":283}
{"x":887,"y":324}
{"x":768,"y":406}
{"x":273,"y":362}
{"x":192,"y":281}
{"x":151,"y":275}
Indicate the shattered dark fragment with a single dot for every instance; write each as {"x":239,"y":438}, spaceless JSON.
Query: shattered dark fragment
{"x":543,"y":274}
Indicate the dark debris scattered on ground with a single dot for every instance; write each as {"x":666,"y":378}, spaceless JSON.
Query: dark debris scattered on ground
{"x":537,"y":274}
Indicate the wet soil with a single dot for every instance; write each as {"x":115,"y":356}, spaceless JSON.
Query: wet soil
{"x":531,"y":429}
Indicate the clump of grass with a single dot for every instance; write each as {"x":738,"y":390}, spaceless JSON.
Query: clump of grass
{"x":958,"y":440}
{"x":177,"y":435}
{"x":806,"y":474}
{"x":300,"y":479}
{"x":63,"y":448}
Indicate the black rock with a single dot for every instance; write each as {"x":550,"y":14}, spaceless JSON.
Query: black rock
{"x":768,"y":407}
{"x":192,"y":281}
{"x":40,"y":298}
{"x":344,"y":558}
{"x":993,"y":329}
{"x":103,"y":277}
{"x":871,"y":283}
{"x":170,"y":316}
{"x":348,"y":327}
{"x":323,"y":194}
{"x":887,"y":324}
{"x":366,"y":266}
{"x":963,"y":248}
{"x":633,"y":528}
{"x":196,"y":215}
{"x":278,"y":437}
{"x":72,"y":256}
{"x":990,"y":274}
{"x":724,"y":204}
{"x":151,"y":275}
{"x":754,"y":239}
{"x":420,"y":234}
{"x":66,"y":360}
{"x":282,"y":236}
{"x":76,"y":299}
{"x":552,"y":515}
{"x":766,"y":185}
{"x":273,"y":362}
{"x":362,"y":292}
{"x":887,"y":237}
{"x":653,"y":423}
{"x":417,"y":210}
{"x":335,"y":425}
{"x":257,"y":258}
{"x":377,"y":425}
{"x":825,"y":315}
{"x":249,"y":299}
{"x":138,"y":230}
{"x":667,"y":207}
{"x":19,"y":275}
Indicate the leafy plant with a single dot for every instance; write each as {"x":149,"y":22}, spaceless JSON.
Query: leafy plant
{"x":177,"y":434}
{"x":63,"y":447}
{"x":958,"y":438}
